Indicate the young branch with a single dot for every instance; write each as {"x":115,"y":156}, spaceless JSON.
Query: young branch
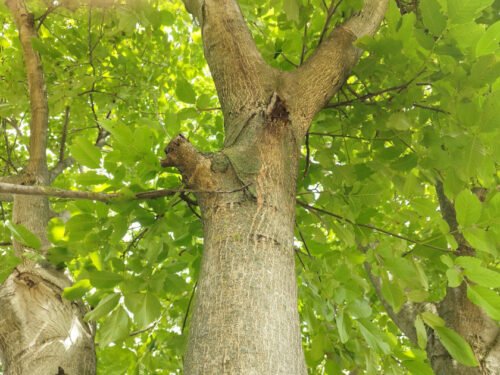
{"x":37,"y":165}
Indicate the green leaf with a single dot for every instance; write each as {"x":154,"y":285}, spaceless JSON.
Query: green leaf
{"x":341,"y":327}
{"x":115,"y":328}
{"x":77,"y":290}
{"x":458,"y":348}
{"x":79,"y":226}
{"x":145,"y":306}
{"x":462,"y":11}
{"x":104,"y":306}
{"x":85,"y":153}
{"x":185,"y":92}
{"x":7,"y":264}
{"x":432,"y":320}
{"x":467,"y":262}
{"x":468,"y":208}
{"x":432,"y":17}
{"x":291,"y":8}
{"x":485,"y":298}
{"x":393,"y":294}
{"x":483,"y":276}
{"x":104,"y":279}
{"x":421,"y":333}
{"x":23,"y":235}
{"x":481,"y":240}
{"x":373,"y":336}
{"x":418,"y":368}
{"x":359,"y":309}
{"x":454,"y":277}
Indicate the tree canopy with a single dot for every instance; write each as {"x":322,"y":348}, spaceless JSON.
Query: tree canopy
{"x":398,"y":194}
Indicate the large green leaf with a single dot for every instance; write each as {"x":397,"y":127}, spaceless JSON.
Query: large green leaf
{"x":23,"y":235}
{"x":104,"y":306}
{"x":458,"y":348}
{"x":104,"y":279}
{"x":85,"y":152}
{"x":462,"y":11}
{"x":145,"y":306}
{"x":468,"y":208}
{"x":77,"y":290}
{"x":185,"y":92}
{"x":115,"y":328}
{"x":483,"y":276}
{"x":432,"y":17}
{"x":485,"y":298}
{"x":7,"y":264}
{"x":291,"y":8}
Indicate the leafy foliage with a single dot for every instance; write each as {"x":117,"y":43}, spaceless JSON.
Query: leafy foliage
{"x":422,"y":105}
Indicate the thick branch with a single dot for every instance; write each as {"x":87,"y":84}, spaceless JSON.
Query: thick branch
{"x":238,"y":70}
{"x":38,"y":96}
{"x":326,"y":70}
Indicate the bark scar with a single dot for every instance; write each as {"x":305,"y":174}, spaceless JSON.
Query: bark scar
{"x":277,"y":109}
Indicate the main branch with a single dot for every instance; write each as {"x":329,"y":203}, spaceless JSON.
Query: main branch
{"x":312,"y":86}
{"x":239,"y":72}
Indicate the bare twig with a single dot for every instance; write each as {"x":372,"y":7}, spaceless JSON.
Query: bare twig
{"x":331,"y":11}
{"x":188,"y":307}
{"x":350,"y":136}
{"x":430,"y":108}
{"x":369,"y":226}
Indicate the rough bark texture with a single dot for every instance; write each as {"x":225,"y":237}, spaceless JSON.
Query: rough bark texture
{"x":245,"y":318}
{"x":40,"y":332}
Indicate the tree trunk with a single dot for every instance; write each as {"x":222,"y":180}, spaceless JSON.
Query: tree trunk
{"x":247,"y":292}
{"x":245,"y":318}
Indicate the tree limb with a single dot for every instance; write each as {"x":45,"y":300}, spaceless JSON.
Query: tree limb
{"x":405,"y":317}
{"x":37,"y":165}
{"x":326,"y":70}
{"x":48,"y":191}
{"x":238,"y":70}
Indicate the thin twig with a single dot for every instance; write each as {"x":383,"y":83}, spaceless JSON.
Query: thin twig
{"x":188,"y":307}
{"x":330,"y":13}
{"x":369,"y":226}
{"x":304,"y":41}
{"x":151,"y":326}
{"x":350,"y":137}
{"x":431,"y":108}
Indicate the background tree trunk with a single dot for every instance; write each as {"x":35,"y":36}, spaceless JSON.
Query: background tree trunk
{"x":40,"y":331}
